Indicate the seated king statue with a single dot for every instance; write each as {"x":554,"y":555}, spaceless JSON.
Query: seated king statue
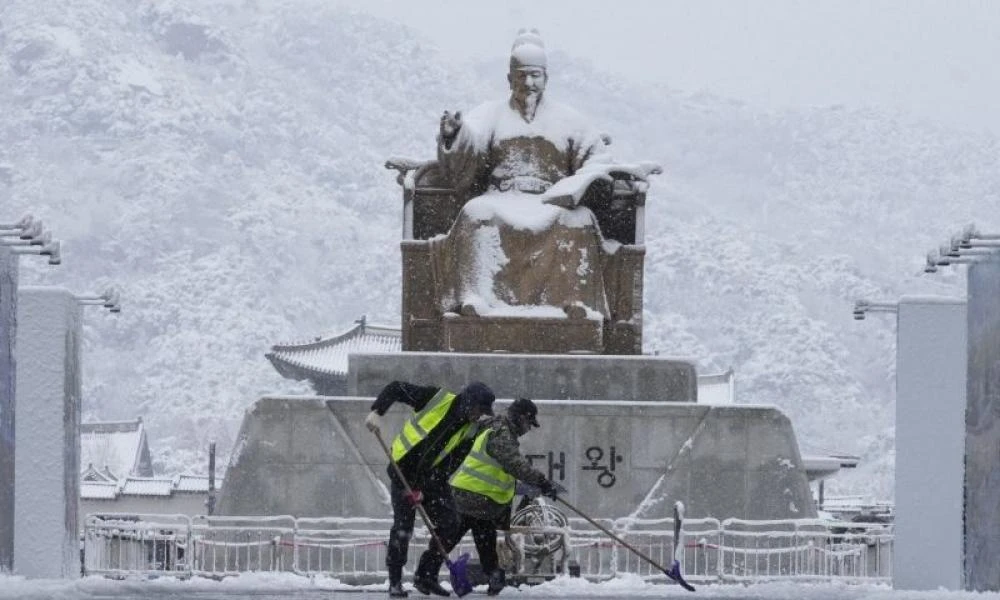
{"x":527,"y":246}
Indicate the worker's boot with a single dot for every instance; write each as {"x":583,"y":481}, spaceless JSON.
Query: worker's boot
{"x":498,"y":579}
{"x":396,"y":583}
{"x":429,"y":586}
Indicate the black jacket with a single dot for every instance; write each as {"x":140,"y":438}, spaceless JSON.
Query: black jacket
{"x":418,"y":464}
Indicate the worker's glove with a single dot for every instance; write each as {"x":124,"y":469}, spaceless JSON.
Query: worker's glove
{"x":414,"y":497}
{"x":374,"y":421}
{"x":551,"y":489}
{"x":527,"y":490}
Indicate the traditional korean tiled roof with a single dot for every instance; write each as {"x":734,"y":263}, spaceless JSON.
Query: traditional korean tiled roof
{"x":115,"y":449}
{"x":327,"y":356}
{"x":145,"y":486}
{"x":99,"y":490}
{"x":820,"y":463}
{"x":93,"y":474}
{"x":194,"y":483}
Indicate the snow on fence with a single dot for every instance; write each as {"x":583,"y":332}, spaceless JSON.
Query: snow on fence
{"x":353,"y":549}
{"x":128,"y":544}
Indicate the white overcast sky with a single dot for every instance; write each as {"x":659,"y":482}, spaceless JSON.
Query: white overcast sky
{"x":935,"y":59}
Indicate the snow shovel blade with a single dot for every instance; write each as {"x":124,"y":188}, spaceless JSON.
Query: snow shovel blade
{"x":458,"y":576}
{"x":674,"y":573}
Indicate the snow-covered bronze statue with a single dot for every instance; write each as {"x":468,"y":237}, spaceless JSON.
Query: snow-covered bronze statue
{"x":534,"y":244}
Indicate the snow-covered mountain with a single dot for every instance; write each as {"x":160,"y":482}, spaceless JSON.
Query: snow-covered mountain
{"x":221,"y":161}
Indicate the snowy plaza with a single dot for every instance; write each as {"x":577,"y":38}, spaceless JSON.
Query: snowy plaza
{"x":269,"y":587}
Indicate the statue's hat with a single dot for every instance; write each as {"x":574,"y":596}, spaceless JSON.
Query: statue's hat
{"x":528,"y":50}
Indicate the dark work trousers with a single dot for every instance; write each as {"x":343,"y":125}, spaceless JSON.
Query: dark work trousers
{"x":440,"y":507}
{"x":484,"y":535}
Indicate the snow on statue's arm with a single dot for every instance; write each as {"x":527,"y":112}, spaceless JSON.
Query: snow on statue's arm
{"x":568,"y":192}
{"x":593,"y":162}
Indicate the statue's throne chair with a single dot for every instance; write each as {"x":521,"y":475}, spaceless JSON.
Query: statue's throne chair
{"x":429,"y":209}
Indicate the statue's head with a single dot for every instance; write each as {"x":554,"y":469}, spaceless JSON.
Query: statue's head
{"x":527,"y":75}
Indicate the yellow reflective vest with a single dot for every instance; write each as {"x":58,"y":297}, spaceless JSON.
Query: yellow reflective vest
{"x":481,"y":474}
{"x":417,"y":427}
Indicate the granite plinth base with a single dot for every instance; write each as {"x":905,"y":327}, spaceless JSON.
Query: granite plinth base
{"x":553,"y":377}
{"x":294,"y":456}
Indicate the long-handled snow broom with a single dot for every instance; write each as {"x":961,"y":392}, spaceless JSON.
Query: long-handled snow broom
{"x":457,"y":568}
{"x":674,"y":573}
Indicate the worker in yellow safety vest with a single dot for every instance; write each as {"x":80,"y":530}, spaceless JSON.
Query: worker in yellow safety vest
{"x":431,"y":445}
{"x":484,"y":489}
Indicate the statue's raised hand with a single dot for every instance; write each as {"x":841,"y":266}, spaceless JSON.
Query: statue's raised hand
{"x":450,"y":124}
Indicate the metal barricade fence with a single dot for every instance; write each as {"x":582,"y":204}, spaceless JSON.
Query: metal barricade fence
{"x":230,"y":545}
{"x":655,"y":538}
{"x":353,"y":549}
{"x":805,"y":550}
{"x":122,"y":544}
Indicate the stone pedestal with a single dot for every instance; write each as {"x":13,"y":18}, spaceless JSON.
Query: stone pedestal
{"x":8,"y":322}
{"x":47,"y":466}
{"x":295,"y":457}
{"x":546,"y":376}
{"x":624,"y":434}
{"x":930,"y":443}
{"x":617,"y":459}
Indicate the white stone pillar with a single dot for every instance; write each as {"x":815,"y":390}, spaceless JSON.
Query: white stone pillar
{"x":8,"y":322}
{"x":930,"y":443}
{"x":47,"y":464}
{"x":982,"y":430}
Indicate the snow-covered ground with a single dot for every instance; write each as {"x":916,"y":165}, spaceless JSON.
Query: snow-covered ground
{"x":264,"y":586}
